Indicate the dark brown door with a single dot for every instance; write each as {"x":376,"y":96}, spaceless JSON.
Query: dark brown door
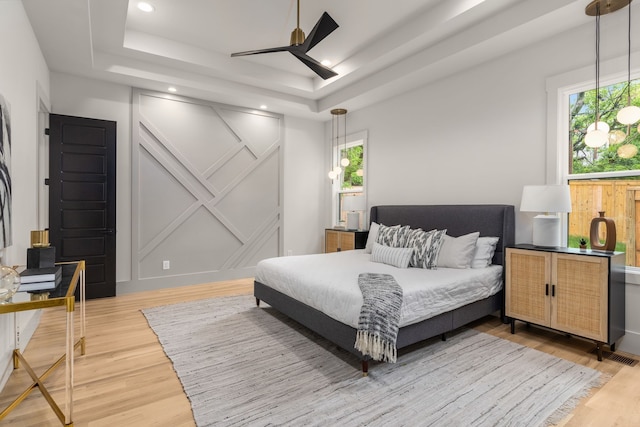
{"x":82,"y":197}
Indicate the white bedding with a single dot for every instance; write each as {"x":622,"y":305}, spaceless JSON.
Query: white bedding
{"x":329,"y":283}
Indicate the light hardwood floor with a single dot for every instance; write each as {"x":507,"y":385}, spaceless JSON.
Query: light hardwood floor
{"x":126,"y":379}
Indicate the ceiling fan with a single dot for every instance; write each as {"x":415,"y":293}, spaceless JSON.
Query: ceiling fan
{"x":300,"y":46}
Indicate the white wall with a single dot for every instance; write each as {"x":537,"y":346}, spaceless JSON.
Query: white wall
{"x":303,"y":148}
{"x":480,"y":135}
{"x":23,"y":69}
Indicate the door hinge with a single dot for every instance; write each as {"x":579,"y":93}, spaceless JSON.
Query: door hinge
{"x":46,"y":181}
{"x":46,"y":131}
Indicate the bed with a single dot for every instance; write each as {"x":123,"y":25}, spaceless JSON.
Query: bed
{"x":333,"y":319}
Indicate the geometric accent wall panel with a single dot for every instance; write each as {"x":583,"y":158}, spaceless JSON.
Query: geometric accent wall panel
{"x":207,"y":185}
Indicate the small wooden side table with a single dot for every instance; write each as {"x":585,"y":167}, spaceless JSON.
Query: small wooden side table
{"x":73,"y":277}
{"x":337,"y":240}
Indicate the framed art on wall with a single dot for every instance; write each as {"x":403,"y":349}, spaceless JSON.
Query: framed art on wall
{"x":5,"y":173}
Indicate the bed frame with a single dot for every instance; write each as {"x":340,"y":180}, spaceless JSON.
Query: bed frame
{"x":489,"y":220}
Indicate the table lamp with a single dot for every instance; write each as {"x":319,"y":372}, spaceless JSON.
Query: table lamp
{"x":353,"y":205}
{"x":549,"y":199}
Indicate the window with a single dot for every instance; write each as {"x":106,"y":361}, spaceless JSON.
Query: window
{"x":351,"y":182}
{"x":604,"y":179}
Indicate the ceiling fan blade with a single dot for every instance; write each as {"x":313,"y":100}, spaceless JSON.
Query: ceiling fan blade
{"x":318,"y":68}
{"x":259,"y":51}
{"x":325,"y":26}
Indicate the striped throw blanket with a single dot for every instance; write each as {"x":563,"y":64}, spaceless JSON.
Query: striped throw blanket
{"x":379,"y":316}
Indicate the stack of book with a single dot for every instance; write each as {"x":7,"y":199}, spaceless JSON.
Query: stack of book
{"x":40,"y":279}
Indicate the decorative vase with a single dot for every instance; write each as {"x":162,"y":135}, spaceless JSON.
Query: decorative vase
{"x":609,"y":243}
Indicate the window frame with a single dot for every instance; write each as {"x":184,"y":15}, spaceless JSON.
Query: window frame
{"x":352,"y":140}
{"x":559,"y":88}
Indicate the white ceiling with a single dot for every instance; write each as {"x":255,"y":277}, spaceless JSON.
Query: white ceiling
{"x":381,"y":48}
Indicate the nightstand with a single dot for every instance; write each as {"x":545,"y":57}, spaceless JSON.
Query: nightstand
{"x":577,"y":291}
{"x":336,"y":240}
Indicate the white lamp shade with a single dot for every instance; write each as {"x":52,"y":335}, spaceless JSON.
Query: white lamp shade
{"x":601,"y":126}
{"x":344,"y":162}
{"x":596,"y":138}
{"x":353,"y":203}
{"x":546,"y":198}
{"x":628,"y":115}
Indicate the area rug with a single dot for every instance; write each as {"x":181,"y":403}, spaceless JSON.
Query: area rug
{"x":241,"y":365}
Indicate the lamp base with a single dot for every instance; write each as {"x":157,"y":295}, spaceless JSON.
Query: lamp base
{"x":353,"y":220}
{"x":546,"y":231}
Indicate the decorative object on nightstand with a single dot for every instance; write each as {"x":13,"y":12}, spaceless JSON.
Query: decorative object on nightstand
{"x":353,"y":205}
{"x":576,"y":291}
{"x":549,"y":199}
{"x":583,"y":243}
{"x":9,"y":283}
{"x":41,"y":254}
{"x":336,"y":240}
{"x":609,"y":243}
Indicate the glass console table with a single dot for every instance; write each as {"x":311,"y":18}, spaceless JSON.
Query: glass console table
{"x":73,"y":277}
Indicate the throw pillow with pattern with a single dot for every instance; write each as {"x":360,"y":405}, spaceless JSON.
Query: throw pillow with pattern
{"x":394,"y":236}
{"x":426,"y":246}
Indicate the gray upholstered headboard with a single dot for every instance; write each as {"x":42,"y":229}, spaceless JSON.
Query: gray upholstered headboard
{"x":489,"y":220}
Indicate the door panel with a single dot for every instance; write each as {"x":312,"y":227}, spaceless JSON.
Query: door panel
{"x":82,"y":203}
{"x":579,"y":306}
{"x":526,"y":290}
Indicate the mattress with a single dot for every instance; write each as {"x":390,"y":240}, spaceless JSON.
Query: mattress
{"x":329,"y":283}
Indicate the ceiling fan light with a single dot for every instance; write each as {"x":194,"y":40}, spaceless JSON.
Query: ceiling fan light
{"x":596,"y":138}
{"x":603,"y":126}
{"x":629,"y":115}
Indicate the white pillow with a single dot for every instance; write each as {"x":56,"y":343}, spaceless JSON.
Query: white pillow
{"x":371,"y":238}
{"x":485,"y":248}
{"x":398,"y":257}
{"x":457,"y":252}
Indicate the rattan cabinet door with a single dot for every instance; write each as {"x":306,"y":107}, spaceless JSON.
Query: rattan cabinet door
{"x":528,"y":275}
{"x":580,"y":303}
{"x":331,"y":241}
{"x":347,"y":241}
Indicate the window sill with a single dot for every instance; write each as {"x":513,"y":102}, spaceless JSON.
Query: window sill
{"x":632,"y":276}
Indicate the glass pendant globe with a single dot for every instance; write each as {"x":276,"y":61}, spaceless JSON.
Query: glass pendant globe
{"x":337,"y":170}
{"x":616,"y":137}
{"x":9,"y":283}
{"x":628,"y":115}
{"x":332,"y":175}
{"x":344,"y":162}
{"x":627,"y":151}
{"x":601,"y":126}
{"x":596,"y":138}
{"x":360,"y":172}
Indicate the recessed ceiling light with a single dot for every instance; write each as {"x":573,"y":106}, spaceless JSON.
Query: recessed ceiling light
{"x":172,"y":89}
{"x":145,"y":7}
{"x":263,"y":107}
{"x":326,"y":62}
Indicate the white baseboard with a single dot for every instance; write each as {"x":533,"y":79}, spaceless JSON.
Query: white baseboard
{"x":28,"y":321}
{"x":630,"y":343}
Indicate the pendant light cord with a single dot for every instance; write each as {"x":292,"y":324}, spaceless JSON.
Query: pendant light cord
{"x":629,"y":59}
{"x":597,"y":65}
